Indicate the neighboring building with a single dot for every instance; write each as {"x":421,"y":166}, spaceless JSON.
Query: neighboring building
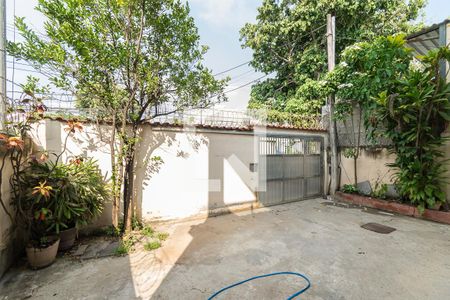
{"x":430,"y":38}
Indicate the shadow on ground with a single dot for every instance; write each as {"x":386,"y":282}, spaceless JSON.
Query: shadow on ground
{"x":324,"y":242}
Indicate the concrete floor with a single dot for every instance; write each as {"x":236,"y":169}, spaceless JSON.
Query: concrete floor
{"x":342,"y":260}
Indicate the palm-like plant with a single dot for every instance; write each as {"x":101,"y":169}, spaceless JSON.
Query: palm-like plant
{"x":413,"y":115}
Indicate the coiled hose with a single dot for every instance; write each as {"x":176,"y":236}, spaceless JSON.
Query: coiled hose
{"x":268,"y":275}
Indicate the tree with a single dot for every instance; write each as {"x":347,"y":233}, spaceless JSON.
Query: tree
{"x":125,"y":58}
{"x":288,"y":40}
{"x":413,"y":114}
{"x":366,"y":69}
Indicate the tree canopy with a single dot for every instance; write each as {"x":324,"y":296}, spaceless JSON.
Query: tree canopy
{"x":125,"y":59}
{"x":288,"y":40}
{"x":114,"y":52}
{"x":367,"y":69}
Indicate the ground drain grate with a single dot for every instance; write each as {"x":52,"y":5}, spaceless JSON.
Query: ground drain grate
{"x":378,"y":228}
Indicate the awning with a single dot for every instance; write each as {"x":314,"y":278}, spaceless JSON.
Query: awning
{"x":429,"y":38}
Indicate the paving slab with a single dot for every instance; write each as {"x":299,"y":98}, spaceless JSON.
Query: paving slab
{"x":109,"y":250}
{"x":324,"y":242}
{"x":80,"y":250}
{"x":94,"y":249}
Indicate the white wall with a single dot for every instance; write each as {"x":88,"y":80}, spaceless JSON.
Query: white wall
{"x":201,"y":170}
{"x":7,"y":233}
{"x":371,"y":166}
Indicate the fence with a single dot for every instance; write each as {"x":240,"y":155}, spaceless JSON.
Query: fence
{"x":64,"y":105}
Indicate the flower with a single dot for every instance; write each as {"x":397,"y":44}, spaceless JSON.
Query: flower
{"x":345,"y":85}
{"x":41,"y":108}
{"x":73,"y":126}
{"x":44,"y":156}
{"x":15,"y":142}
{"x":76,"y":161}
{"x":42,"y":189}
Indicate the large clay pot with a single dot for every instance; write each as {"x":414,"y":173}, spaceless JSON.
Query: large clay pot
{"x":67,"y":237}
{"x":42,"y":257}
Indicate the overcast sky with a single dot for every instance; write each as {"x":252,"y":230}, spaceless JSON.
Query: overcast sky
{"x":219,"y":22}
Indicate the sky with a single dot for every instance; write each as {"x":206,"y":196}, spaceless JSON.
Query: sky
{"x":219,"y":22}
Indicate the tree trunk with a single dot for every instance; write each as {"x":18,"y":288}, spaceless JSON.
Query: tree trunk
{"x":128,"y":193}
{"x":358,"y":145}
{"x":128,"y":190}
{"x":115,"y":177}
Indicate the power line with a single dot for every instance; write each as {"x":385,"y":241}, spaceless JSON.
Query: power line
{"x":242,"y":74}
{"x":46,"y":74}
{"x":233,"y":68}
{"x":246,"y":84}
{"x":247,"y":62}
{"x":10,"y":27}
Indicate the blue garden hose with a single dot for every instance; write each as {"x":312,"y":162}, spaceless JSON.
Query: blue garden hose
{"x":268,"y":275}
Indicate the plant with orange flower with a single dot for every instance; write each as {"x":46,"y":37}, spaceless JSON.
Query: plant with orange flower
{"x":73,"y":126}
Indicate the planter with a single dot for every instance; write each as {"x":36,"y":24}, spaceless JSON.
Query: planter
{"x":67,"y":237}
{"x":394,"y":207}
{"x":42,"y":257}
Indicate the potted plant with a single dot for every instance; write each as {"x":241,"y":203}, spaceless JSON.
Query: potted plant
{"x":88,"y":191}
{"x":42,"y":247}
{"x":76,"y":194}
{"x":50,"y":198}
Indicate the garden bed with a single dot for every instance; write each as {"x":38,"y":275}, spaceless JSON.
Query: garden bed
{"x":395,"y":207}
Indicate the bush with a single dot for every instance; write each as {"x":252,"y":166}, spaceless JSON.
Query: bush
{"x":162,"y":236}
{"x":147,"y":231}
{"x":126,"y":244}
{"x":413,"y":114}
{"x":380,"y":190}
{"x":152,"y":245}
{"x":350,"y":189}
{"x":56,"y":196}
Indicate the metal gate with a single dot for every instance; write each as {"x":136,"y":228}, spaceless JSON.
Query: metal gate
{"x":290,"y":168}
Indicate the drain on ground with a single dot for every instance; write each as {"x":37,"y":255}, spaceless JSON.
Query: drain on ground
{"x":378,"y":228}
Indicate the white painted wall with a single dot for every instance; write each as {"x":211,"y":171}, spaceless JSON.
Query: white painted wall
{"x":201,"y":170}
{"x":371,"y":166}
{"x":7,"y":232}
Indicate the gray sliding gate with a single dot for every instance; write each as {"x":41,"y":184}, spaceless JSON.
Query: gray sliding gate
{"x":290,"y":168}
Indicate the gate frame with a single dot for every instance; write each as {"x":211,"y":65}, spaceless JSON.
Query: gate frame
{"x":307,"y":137}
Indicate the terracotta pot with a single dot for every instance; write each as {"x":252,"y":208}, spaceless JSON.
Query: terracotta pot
{"x":42,"y":257}
{"x":67,"y":237}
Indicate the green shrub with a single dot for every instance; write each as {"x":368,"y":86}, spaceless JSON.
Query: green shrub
{"x":126,"y":244}
{"x":350,"y":189}
{"x":380,"y":190}
{"x":121,"y":250}
{"x":152,"y":245}
{"x":413,"y":114}
{"x":136,"y":224}
{"x":162,"y":236}
{"x":59,"y":195}
{"x":112,"y":231}
{"x":147,"y":231}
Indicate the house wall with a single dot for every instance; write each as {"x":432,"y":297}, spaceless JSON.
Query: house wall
{"x":7,"y":231}
{"x":371,"y":166}
{"x":197,"y":171}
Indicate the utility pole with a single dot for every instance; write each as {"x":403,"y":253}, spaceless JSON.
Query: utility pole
{"x":2,"y":63}
{"x":331,"y":45}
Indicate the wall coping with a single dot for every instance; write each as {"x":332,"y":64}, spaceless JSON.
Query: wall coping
{"x":246,"y":128}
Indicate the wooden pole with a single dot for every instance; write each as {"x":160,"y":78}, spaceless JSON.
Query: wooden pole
{"x":331,"y":44}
